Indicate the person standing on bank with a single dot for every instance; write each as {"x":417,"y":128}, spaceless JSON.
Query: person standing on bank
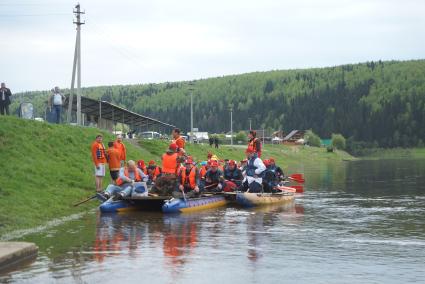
{"x":56,"y":102}
{"x":121,"y":148}
{"x":98,"y":153}
{"x":5,"y":95}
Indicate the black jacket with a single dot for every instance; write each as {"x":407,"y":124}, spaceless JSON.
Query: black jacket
{"x":7,"y":95}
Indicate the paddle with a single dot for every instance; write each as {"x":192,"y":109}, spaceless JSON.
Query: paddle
{"x":297,"y":178}
{"x":85,"y":200}
{"x":294,"y":188}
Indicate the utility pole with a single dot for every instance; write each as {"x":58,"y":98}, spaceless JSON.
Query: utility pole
{"x":250,"y":123}
{"x":231,"y":126}
{"x":76,"y":67}
{"x":191,"y":89}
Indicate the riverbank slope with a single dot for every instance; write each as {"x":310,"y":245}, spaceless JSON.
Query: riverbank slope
{"x":46,"y":168}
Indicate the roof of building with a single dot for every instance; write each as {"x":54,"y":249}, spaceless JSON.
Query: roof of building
{"x":109,"y":111}
{"x":289,"y":136}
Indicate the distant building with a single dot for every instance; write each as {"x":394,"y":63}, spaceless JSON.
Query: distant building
{"x":294,"y":137}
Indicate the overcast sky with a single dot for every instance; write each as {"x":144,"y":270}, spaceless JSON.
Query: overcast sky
{"x":133,"y":42}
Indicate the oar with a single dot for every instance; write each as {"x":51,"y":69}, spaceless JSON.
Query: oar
{"x":297,"y":178}
{"x":85,"y":200}
{"x":211,"y":185}
{"x":184,"y":195}
{"x":294,"y":188}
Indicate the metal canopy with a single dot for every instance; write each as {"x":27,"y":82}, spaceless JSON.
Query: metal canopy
{"x":109,"y":111}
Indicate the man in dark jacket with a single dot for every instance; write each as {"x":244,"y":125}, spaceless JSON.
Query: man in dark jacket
{"x":5,"y":95}
{"x":233,"y":176}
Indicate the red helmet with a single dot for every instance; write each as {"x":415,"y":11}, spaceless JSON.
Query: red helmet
{"x":141,"y":163}
{"x":266,"y":163}
{"x":271,"y":160}
{"x":151,"y":162}
{"x":214,"y":163}
{"x":173,"y":147}
{"x":189,"y":160}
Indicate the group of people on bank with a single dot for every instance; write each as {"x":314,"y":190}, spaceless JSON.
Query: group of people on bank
{"x":179,"y":175}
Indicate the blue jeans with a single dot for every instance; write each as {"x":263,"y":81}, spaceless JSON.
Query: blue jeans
{"x":127,"y":189}
{"x":57,"y":111}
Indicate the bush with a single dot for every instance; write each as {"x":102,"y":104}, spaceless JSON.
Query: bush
{"x":312,"y":139}
{"x":241,"y":136}
{"x":338,"y":141}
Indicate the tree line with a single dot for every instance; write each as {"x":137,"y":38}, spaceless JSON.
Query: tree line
{"x":380,"y":103}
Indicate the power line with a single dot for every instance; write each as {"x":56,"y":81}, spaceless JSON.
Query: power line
{"x":33,"y":15}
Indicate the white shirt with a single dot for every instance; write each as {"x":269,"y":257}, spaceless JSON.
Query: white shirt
{"x":57,"y":99}
{"x":258,"y":163}
{"x":3,"y":97}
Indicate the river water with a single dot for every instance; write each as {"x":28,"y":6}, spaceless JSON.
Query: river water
{"x":358,"y":222}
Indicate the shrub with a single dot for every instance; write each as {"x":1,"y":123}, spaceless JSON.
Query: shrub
{"x":338,"y":141}
{"x":312,"y":138}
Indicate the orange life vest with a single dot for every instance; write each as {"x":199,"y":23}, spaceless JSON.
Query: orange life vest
{"x":180,"y":142}
{"x":137,"y":176}
{"x":169,"y":163}
{"x":203,"y":171}
{"x":154,"y":173}
{"x":191,"y":179}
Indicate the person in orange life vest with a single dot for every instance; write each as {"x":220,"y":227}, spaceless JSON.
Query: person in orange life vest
{"x":141,"y":165}
{"x":153,"y":171}
{"x":189,"y":180}
{"x":233,"y":176}
{"x":130,"y":177}
{"x":114,"y":163}
{"x":179,"y":141}
{"x":167,"y":182}
{"x":98,"y":153}
{"x":254,"y":143}
{"x":214,"y":179}
{"x":203,"y":170}
{"x":121,"y":148}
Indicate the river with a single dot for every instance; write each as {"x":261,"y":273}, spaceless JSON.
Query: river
{"x":358,"y":222}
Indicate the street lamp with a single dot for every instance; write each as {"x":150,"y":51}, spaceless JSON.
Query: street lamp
{"x":231,"y":126}
{"x":250,"y":119}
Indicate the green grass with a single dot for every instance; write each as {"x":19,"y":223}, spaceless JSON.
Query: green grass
{"x":395,"y":153}
{"x":286,"y":156}
{"x":46,"y":168}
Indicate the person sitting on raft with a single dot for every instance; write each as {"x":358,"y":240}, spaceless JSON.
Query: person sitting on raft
{"x":233,"y":176}
{"x":270,"y":180}
{"x":153,"y":171}
{"x":255,"y":168}
{"x":214,"y":179}
{"x":189,"y":181}
{"x":166,"y":184}
{"x":141,"y":165}
{"x":276,"y":169}
{"x":129,"y":178}
{"x":243,"y":166}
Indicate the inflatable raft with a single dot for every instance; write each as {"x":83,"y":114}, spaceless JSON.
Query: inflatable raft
{"x":143,"y":203}
{"x":180,"y":205}
{"x":247,"y":199}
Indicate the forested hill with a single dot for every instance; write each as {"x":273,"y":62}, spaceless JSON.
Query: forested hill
{"x":379,"y":102}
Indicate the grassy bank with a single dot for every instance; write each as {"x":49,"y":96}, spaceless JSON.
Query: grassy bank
{"x":286,"y":156}
{"x":395,"y":153}
{"x":45,"y":168}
